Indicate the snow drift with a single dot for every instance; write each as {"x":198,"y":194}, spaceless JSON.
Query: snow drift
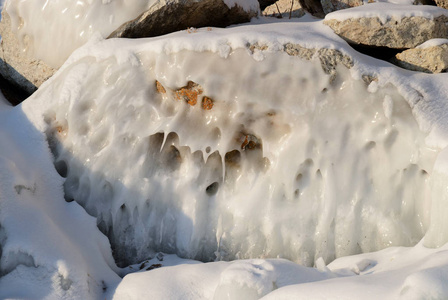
{"x":236,"y":152}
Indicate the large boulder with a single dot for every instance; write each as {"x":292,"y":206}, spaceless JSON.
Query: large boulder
{"x":389,"y":25}
{"x":16,"y":66}
{"x":431,"y":57}
{"x":284,"y":9}
{"x":442,"y":3}
{"x":163,"y":18}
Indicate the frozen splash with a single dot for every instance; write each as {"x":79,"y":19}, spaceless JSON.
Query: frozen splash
{"x":281,"y":163}
{"x":64,"y":26}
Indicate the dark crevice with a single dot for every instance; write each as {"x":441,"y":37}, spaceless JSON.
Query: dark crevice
{"x":12,"y":93}
{"x":383,"y":53}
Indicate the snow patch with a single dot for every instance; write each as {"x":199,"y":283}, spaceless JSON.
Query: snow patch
{"x":432,"y":43}
{"x":387,"y":11}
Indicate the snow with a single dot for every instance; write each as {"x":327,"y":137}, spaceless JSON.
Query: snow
{"x":432,"y":43}
{"x":336,"y":168}
{"x":387,"y":11}
{"x":50,"y":248}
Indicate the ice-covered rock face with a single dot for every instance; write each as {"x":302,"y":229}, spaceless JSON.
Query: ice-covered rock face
{"x":276,"y":161}
{"x":44,"y":25}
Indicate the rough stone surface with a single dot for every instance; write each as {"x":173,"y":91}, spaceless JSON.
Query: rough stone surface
{"x":164,"y":18}
{"x":329,"y":6}
{"x":313,"y":7}
{"x":15,"y":66}
{"x":442,"y":3}
{"x":403,"y":33}
{"x":429,"y":60}
{"x":329,"y":58}
{"x":284,"y":9}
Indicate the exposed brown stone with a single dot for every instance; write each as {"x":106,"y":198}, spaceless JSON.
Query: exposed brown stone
{"x":189,"y":93}
{"x":207,"y":103}
{"x":160,"y":88}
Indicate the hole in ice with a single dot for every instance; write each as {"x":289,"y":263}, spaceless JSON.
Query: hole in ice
{"x":207,"y":150}
{"x":212,"y":189}
{"x":61,"y":168}
{"x":65,"y":283}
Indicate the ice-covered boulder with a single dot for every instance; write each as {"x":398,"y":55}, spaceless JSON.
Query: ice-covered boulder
{"x":389,"y":25}
{"x":430,"y":57}
{"x":283,"y":163}
{"x":18,"y":68}
{"x":162,"y":18}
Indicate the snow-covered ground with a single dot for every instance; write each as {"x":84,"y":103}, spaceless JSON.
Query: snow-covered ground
{"x":314,"y":186}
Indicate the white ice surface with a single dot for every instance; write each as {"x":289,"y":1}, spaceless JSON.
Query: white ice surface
{"x":386,"y":11}
{"x":102,"y":115}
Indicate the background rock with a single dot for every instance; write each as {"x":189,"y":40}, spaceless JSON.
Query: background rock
{"x":442,"y":3}
{"x":15,"y":66}
{"x":429,"y":60}
{"x":266,"y":3}
{"x":407,"y":32}
{"x":284,"y":9}
{"x":179,"y":15}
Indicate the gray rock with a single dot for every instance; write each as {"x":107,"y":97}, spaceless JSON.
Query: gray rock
{"x":407,"y":32}
{"x":178,"y":15}
{"x":430,"y":60}
{"x":442,"y":3}
{"x":329,"y":6}
{"x":15,"y":65}
{"x":313,"y":7}
{"x":329,"y":58}
{"x":284,"y":9}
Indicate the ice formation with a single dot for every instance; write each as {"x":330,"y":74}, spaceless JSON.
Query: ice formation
{"x":66,"y":25}
{"x":282,"y":161}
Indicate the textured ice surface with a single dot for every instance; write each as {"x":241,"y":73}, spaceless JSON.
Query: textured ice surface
{"x":286,"y":163}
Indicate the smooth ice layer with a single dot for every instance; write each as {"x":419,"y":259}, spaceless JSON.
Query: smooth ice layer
{"x":51,"y":30}
{"x":285,"y":163}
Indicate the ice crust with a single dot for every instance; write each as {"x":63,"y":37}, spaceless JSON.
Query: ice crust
{"x":386,"y":11}
{"x":144,"y":163}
